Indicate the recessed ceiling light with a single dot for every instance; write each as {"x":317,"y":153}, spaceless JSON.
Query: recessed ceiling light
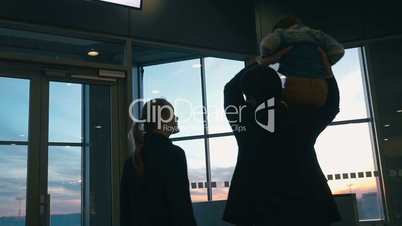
{"x":196,"y":65}
{"x":93,"y":53}
{"x":386,"y":139}
{"x":387,"y":125}
{"x":399,"y":111}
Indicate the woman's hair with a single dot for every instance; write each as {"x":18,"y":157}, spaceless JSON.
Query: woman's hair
{"x":287,"y":22}
{"x":154,"y":113}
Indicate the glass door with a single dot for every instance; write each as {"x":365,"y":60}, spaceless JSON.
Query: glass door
{"x":55,"y":149}
{"x":78,"y":154}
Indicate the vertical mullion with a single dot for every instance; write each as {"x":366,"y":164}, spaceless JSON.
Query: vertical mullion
{"x":44,"y":140}
{"x":206,"y":140}
{"x":33,"y":207}
{"x":85,"y":171}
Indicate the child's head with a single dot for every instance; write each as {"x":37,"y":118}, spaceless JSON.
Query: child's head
{"x":287,"y":22}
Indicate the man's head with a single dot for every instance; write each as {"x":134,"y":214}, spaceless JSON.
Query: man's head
{"x":260,"y":83}
{"x":287,"y":22}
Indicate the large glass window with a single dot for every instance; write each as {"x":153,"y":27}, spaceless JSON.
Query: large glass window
{"x":346,"y":157}
{"x":195,"y":154}
{"x":14,"y":116}
{"x":344,"y":150}
{"x":180,"y":84}
{"x":349,"y":75}
{"x":223,"y":160}
{"x":218,"y":72}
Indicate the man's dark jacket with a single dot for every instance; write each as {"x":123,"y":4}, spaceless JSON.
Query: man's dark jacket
{"x":277,"y":177}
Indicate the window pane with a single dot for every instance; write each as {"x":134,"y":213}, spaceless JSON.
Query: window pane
{"x":345,"y":151}
{"x":180,"y":84}
{"x":14,"y":113}
{"x":64,"y":185}
{"x":223,"y":152}
{"x":218,"y":72}
{"x":13,"y":177}
{"x":349,"y":75}
{"x":65,"y":112}
{"x":195,"y":154}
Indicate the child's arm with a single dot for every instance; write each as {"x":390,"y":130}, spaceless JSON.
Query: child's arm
{"x":332,"y":48}
{"x":270,"y":44}
{"x":273,"y":59}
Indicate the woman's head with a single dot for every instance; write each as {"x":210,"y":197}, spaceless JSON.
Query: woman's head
{"x":287,"y":22}
{"x":158,"y":116}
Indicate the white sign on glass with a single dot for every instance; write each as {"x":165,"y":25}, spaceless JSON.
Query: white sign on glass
{"x":130,"y":3}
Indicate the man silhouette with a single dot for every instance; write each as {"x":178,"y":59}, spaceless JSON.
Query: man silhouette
{"x":277,"y":179}
{"x":249,"y":89}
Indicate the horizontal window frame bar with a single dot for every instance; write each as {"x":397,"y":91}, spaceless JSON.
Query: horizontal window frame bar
{"x":13,"y":143}
{"x":185,"y":138}
{"x":351,"y":121}
{"x":217,"y":135}
{"x":63,"y":144}
{"x":53,"y":144}
{"x":196,"y":137}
